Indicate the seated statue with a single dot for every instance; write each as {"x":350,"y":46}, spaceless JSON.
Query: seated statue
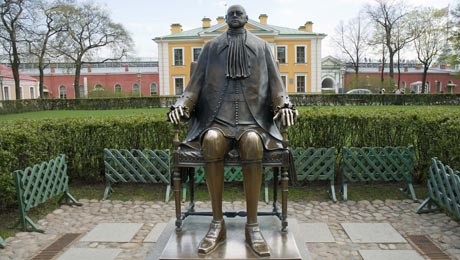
{"x":233,"y":99}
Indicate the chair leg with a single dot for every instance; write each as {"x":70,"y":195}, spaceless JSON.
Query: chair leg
{"x":177,"y":197}
{"x":284,"y":194}
{"x":276,"y":172}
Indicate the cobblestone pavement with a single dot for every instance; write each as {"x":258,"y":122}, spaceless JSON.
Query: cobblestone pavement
{"x":399,"y":213}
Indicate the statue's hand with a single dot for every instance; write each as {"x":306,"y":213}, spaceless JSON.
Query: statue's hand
{"x":177,"y":113}
{"x":286,"y":114}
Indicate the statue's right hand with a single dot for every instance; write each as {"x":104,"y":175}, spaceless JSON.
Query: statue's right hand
{"x":176,"y":113}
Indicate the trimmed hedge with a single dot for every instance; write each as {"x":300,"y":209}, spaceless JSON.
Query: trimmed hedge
{"x":32,"y":105}
{"x":434,"y":131}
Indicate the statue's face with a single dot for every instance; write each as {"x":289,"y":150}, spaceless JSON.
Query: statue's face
{"x":236,"y":17}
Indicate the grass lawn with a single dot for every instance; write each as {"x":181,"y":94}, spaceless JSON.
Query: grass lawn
{"x":163,"y":111}
{"x":156,"y":192}
{"x":84,"y":113}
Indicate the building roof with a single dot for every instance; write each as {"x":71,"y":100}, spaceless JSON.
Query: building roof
{"x":260,"y":29}
{"x":7,"y":74}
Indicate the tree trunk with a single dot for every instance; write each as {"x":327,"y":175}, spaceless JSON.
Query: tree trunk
{"x":41,"y":70}
{"x":76,"y":83}
{"x":15,"y":70}
{"x":425,"y":71}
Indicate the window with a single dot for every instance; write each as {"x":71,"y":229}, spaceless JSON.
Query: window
{"x":178,"y":85}
{"x":6,"y":93}
{"x":300,"y":54}
{"x":404,"y":84}
{"x":438,"y":86}
{"x":62,"y":92}
{"x":300,"y":83}
{"x":153,"y":89}
{"x":81,"y":90}
{"x":117,"y":88}
{"x":178,"y":56}
{"x":135,"y":88}
{"x":281,"y":54}
{"x":284,"y":79}
{"x":32,"y":93}
{"x":196,"y":53}
{"x":427,"y":87}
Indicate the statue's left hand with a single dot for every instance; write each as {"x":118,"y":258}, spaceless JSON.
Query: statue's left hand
{"x":287,"y":115}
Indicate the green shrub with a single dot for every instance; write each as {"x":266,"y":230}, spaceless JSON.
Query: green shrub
{"x":434,"y":131}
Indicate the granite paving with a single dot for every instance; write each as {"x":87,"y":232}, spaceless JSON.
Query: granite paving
{"x":149,"y":217}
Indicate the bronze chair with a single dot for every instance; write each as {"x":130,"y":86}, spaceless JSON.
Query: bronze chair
{"x":186,"y":159}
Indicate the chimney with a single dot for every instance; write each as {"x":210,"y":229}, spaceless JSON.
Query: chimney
{"x":406,"y":68}
{"x":309,"y":26}
{"x":126,"y":68}
{"x":380,"y":68}
{"x":89,"y":69}
{"x":443,"y":66}
{"x":302,"y":28}
{"x":263,"y":18}
{"x":418,"y":67}
{"x":220,"y":19}
{"x":206,"y":22}
{"x":176,"y":28}
{"x":53,"y":69}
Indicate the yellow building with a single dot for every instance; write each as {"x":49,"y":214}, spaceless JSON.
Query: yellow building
{"x":297,"y":50}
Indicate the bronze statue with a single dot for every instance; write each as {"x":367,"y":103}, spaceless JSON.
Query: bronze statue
{"x":232,"y":100}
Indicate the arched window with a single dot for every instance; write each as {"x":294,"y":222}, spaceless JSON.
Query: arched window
{"x":117,"y":88}
{"x":98,"y":87}
{"x":135,"y":88}
{"x":62,"y":92}
{"x":153,"y":89}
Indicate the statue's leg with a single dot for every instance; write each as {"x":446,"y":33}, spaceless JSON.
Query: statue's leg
{"x":251,"y":152}
{"x":214,"y":147}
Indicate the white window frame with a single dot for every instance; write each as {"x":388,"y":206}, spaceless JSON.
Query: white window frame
{"x":304,"y":75}
{"x":156,"y":88}
{"x":6,"y":93}
{"x":32,"y":92}
{"x":438,"y":86}
{"x":174,"y":84}
{"x":285,"y":75}
{"x":305,"y":54}
{"x":174,"y":56}
{"x":193,"y":53}
{"x":285,"y":53}
{"x":60,"y":93}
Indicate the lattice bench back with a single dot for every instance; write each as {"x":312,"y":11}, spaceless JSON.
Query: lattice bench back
{"x":368,"y":164}
{"x":136,"y":166}
{"x":443,"y":189}
{"x":39,"y":183}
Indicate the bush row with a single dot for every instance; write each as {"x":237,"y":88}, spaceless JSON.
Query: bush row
{"x":20,"y":106}
{"x":434,"y":131}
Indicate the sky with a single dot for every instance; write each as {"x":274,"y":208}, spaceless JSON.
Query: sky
{"x":147,"y":19}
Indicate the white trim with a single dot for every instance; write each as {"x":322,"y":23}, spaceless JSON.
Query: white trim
{"x":305,"y":75}
{"x":174,"y":83}
{"x":174,"y":56}
{"x":193,"y":49}
{"x":305,"y":54}
{"x":285,"y":75}
{"x":6,"y":93}
{"x":163,"y":65}
{"x":285,"y":53}
{"x":59,"y":91}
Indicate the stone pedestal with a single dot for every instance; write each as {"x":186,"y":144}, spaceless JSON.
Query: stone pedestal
{"x":183,"y":245}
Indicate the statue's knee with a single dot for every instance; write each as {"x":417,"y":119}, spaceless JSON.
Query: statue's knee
{"x":214,"y":145}
{"x":251,"y":147}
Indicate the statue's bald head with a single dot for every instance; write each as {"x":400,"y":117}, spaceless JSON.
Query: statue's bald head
{"x":236,"y":16}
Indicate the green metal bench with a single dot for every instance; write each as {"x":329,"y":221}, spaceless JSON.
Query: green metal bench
{"x":136,"y":166}
{"x":313,"y":164}
{"x":443,"y":190}
{"x":368,"y":164}
{"x":36,"y":184}
{"x":2,"y":243}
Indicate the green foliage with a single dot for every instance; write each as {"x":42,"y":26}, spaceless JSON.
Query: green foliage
{"x":433,"y":130}
{"x":372,"y":83}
